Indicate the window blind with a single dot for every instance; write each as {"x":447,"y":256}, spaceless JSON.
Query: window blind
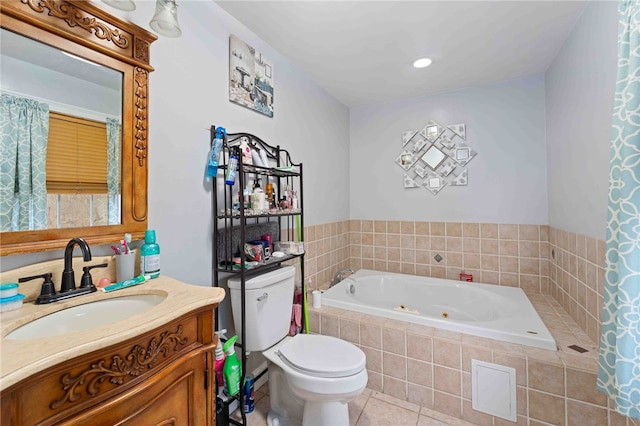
{"x":76,"y":155}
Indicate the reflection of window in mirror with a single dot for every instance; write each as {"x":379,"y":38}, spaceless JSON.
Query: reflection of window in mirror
{"x":78,"y":179}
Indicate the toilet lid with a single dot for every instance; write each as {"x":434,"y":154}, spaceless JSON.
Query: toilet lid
{"x":323,"y":356}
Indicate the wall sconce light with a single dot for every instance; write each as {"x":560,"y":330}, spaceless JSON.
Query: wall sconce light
{"x":165,"y":20}
{"x":127,"y":5}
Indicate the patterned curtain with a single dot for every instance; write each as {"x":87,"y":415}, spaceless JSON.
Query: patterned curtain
{"x":619,"y":363}
{"x":24,"y":131}
{"x":113,"y":170}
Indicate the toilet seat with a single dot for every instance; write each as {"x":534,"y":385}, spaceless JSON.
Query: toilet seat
{"x":322,"y":356}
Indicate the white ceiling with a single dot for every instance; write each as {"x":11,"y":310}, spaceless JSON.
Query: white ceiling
{"x":361,"y":51}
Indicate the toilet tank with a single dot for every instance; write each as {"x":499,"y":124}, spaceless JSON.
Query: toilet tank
{"x":268,"y":303}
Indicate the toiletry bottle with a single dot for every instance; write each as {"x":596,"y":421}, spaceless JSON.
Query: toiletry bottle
{"x":258,"y":197}
{"x":247,"y":197}
{"x":232,"y":369}
{"x":246,"y":152}
{"x":249,"y":393}
{"x":150,"y":255}
{"x":214,"y":154}
{"x":230,"y":176}
{"x":219,"y":362}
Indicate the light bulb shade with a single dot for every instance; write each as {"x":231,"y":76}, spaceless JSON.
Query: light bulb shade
{"x":165,"y":20}
{"x":127,"y":5}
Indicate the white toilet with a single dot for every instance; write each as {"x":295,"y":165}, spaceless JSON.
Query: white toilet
{"x":311,"y":377}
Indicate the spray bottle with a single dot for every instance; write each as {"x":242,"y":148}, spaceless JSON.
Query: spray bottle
{"x":214,"y":154}
{"x":219,"y":362}
{"x":232,"y":370}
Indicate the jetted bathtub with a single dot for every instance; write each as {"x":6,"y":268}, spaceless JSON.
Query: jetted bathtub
{"x":484,"y":310}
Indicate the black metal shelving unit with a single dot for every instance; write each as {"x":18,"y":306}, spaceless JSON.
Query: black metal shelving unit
{"x":233,"y":225}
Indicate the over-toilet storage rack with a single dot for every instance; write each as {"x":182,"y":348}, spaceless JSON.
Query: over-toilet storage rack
{"x":234,"y":224}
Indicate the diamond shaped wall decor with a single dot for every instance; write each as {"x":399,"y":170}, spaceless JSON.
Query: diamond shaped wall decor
{"x":435,"y":156}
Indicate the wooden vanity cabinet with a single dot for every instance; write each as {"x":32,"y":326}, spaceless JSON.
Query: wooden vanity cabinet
{"x":163,"y":377}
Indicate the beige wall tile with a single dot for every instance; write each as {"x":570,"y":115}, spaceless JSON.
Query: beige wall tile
{"x":489,"y":230}
{"x":374,"y":381}
{"x":420,"y":373}
{"x":581,"y":386}
{"x":471,"y":230}
{"x":350,"y":331}
{"x":475,"y":417}
{"x":374,"y":359}
{"x":489,"y":246}
{"x":393,"y":227}
{"x":371,"y":335}
{"x":508,"y":232}
{"x":438,"y":229}
{"x":394,"y":341}
{"x":529,"y":232}
{"x":407,"y":228}
{"x":419,"y":347}
{"x":585,"y":414}
{"x":422,"y":242}
{"x":420,"y":395}
{"x":453,"y":229}
{"x":546,"y":407}
{"x":471,"y":261}
{"x":546,"y":377}
{"x":453,"y":243}
{"x":508,"y":248}
{"x":394,"y":365}
{"x":380,"y":226}
{"x":489,"y":262}
{"x":446,"y":353}
{"x":330,"y":325}
{"x":474,"y":352}
{"x":394,"y":387}
{"x":471,"y":245}
{"x":438,"y":243}
{"x":422,"y":228}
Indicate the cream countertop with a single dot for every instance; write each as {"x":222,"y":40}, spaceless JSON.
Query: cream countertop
{"x":20,"y":359}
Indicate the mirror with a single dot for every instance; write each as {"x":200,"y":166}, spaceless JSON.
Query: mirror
{"x":110,"y":62}
{"x":82,"y":163}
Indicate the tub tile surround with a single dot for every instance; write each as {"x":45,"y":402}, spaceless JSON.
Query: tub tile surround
{"x":561,"y":272}
{"x":432,"y":367}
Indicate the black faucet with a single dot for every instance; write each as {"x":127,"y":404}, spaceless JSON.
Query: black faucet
{"x":68,"y":277}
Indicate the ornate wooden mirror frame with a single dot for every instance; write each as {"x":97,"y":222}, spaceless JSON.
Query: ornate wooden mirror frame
{"x":81,"y":28}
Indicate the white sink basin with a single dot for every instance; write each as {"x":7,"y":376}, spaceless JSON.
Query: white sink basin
{"x":85,"y":317}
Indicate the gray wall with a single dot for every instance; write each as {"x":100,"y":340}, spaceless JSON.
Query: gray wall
{"x":579,"y":89}
{"x":507,"y":179}
{"x":189,"y":93}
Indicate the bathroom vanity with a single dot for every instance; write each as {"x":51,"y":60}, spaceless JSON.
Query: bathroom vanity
{"x":153,"y":368}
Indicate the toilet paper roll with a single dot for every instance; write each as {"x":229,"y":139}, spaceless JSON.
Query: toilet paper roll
{"x":317,"y":299}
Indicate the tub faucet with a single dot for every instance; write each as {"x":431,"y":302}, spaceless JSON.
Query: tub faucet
{"x":340,"y":276}
{"x":68,"y":278}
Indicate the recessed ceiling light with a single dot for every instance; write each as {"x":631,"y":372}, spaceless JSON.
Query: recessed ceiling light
{"x":422,"y":63}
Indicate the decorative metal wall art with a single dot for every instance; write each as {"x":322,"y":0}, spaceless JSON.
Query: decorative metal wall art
{"x":250,"y":77}
{"x":435,"y":157}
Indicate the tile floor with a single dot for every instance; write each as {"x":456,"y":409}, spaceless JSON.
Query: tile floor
{"x":370,"y":408}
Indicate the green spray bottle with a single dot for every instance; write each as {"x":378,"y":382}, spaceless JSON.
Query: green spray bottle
{"x":232,"y":369}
